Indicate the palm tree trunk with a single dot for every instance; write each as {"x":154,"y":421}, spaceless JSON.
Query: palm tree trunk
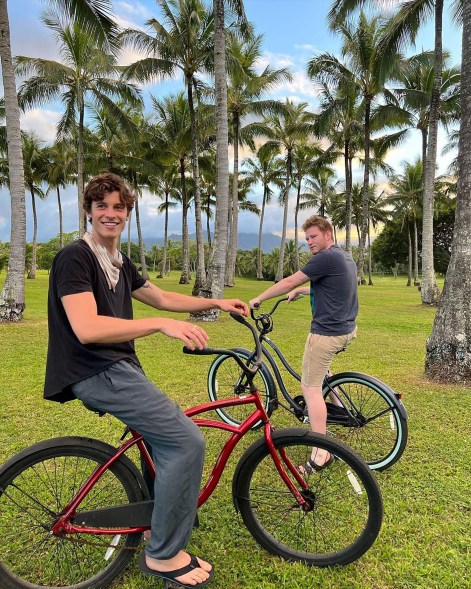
{"x":217,"y":264}
{"x":429,"y":289}
{"x":448,"y":348}
{"x":409,"y":276}
{"x":12,"y":297}
{"x":365,"y":194}
{"x":416,"y":255}
{"x":260,"y":234}
{"x":34,"y":253}
{"x":279,"y":271}
{"x":80,"y":167}
{"x":296,"y":210}
{"x":61,"y":226}
{"x":233,"y":224}
{"x":199,"y":287}
{"x":128,"y":249}
{"x":164,"y":253}
{"x":185,"y":276}
{"x":208,"y":225}
{"x":348,"y":200}
{"x":370,"y":279}
{"x":142,"y":256}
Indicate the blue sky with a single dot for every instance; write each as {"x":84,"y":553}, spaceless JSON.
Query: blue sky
{"x":294,"y":31}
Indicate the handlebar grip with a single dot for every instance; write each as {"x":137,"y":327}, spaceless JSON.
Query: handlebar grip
{"x":203,"y":352}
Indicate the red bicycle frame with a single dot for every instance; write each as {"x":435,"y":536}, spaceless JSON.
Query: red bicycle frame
{"x":65,"y":525}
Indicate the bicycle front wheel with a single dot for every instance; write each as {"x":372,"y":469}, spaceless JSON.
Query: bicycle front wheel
{"x":34,"y":488}
{"x":343,"y":512}
{"x":226,"y":379}
{"x":377,"y":429}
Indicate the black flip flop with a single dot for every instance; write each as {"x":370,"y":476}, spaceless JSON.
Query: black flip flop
{"x":310,"y":466}
{"x":170,"y":576}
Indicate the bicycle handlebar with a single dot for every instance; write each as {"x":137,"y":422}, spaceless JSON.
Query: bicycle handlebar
{"x":249,"y":370}
{"x":257,"y":317}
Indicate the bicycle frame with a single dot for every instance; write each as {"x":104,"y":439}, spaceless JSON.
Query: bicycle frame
{"x":64,"y":524}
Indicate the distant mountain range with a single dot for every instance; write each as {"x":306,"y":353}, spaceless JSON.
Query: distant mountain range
{"x":247,"y":241}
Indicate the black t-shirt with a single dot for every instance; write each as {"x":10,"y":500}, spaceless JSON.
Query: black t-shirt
{"x":334,"y":291}
{"x":75,"y":269}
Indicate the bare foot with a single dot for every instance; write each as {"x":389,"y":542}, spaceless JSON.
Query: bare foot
{"x":198,"y":575}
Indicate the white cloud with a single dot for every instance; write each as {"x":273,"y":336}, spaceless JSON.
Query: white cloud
{"x":42,"y":121}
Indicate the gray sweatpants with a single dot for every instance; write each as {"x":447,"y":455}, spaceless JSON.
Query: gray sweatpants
{"x":176,"y":442}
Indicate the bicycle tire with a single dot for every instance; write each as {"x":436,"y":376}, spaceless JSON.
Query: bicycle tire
{"x":346,"y":504}
{"x":224,"y":378}
{"x":379,"y":432}
{"x":35,"y":485}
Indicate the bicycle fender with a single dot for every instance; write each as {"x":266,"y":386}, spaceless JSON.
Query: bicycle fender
{"x":376,"y":382}
{"x":65,"y":441}
{"x":300,"y":432}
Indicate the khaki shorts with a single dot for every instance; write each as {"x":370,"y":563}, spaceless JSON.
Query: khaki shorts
{"x":318,"y":354}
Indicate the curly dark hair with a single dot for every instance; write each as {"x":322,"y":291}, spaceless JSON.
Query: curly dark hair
{"x":104,"y":184}
{"x":317,"y":221}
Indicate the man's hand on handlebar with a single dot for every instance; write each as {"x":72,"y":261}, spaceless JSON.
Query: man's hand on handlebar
{"x":255,"y":303}
{"x":294,"y":296}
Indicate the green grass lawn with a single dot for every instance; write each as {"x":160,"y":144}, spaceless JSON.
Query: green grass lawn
{"x":425,"y":538}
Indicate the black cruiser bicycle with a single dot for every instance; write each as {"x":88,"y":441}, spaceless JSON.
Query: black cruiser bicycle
{"x":362,"y":411}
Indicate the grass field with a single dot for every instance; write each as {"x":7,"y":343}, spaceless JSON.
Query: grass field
{"x":425,"y":540}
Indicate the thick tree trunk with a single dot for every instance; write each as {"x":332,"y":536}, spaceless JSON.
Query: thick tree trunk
{"x":448,"y":357}
{"x":429,"y":290}
{"x":34,"y":253}
{"x":281,"y":258}
{"x":217,"y":264}
{"x":12,"y":297}
{"x":200,"y":274}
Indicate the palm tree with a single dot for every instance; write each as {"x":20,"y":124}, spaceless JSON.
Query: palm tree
{"x":35,"y":170}
{"x":86,"y":73}
{"x":93,"y":16}
{"x":60,"y":171}
{"x":166,"y":187}
{"x":447,"y":357}
{"x":266,"y":169}
{"x":12,"y":297}
{"x":245,"y":89}
{"x":403,"y":28}
{"x":406,"y":199}
{"x":370,"y":63}
{"x":284,"y":133}
{"x":186,"y":45}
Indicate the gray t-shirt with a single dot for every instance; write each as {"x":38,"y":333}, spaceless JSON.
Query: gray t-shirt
{"x":334,"y":297}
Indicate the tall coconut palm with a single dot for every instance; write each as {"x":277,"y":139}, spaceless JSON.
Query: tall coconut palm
{"x":406,"y":200}
{"x":165,"y":187}
{"x":285,"y":132}
{"x":370,"y":63}
{"x":12,"y":297}
{"x":448,"y":346}
{"x":403,"y":28}
{"x":266,"y":169}
{"x":93,"y":15}
{"x":245,"y":91}
{"x":85,"y":73}
{"x":173,"y":138}
{"x":60,"y":171}
{"x":35,"y":171}
{"x":183,"y":42}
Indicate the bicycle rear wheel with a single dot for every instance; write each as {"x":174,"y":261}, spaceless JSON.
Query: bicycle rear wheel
{"x":34,"y":488}
{"x":378,"y":428}
{"x":226,"y":379}
{"x":344,"y":511}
